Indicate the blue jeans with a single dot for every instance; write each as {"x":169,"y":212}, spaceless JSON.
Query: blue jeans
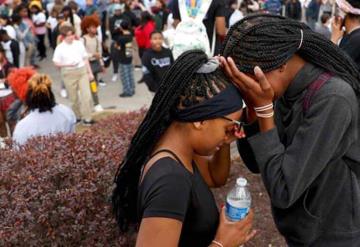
{"x":127,"y":78}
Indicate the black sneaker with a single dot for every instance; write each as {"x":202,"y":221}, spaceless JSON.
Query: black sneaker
{"x":125,"y":95}
{"x":78,"y":120}
{"x":88,"y":122}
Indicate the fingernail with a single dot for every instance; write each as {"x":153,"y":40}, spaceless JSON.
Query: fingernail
{"x":257,"y":69}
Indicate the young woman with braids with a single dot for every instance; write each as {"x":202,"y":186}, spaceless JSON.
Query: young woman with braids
{"x":307,"y":146}
{"x":163,"y":182}
{"x":44,"y":116}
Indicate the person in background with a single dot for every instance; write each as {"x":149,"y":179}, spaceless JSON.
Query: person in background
{"x":30,"y":38}
{"x":17,"y":80}
{"x":349,"y":41}
{"x":11,"y":47}
{"x":294,"y":10}
{"x":115,"y":31}
{"x":57,"y":39}
{"x":51,"y":24}
{"x":90,"y":8}
{"x":39,"y":20}
{"x":160,"y":14}
{"x":111,"y":8}
{"x":44,"y":116}
{"x":5,"y":24}
{"x":273,"y":7}
{"x":234,"y":13}
{"x":93,"y":48}
{"x":124,"y":42}
{"x":312,"y":13}
{"x":7,"y":96}
{"x":156,"y":61}
{"x":143,"y":31}
{"x":21,"y":30}
{"x":72,"y":19}
{"x":323,"y":27}
{"x":72,"y":59}
{"x":215,"y":17}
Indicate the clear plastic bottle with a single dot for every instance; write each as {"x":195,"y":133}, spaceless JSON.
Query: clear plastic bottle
{"x":238,"y":201}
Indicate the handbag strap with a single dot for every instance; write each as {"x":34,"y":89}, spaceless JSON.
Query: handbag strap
{"x":313,"y":88}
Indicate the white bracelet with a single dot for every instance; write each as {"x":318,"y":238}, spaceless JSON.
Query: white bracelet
{"x":265,"y":115}
{"x":264,"y":108}
{"x":217,"y":243}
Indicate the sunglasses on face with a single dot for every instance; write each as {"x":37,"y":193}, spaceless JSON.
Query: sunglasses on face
{"x":238,"y":127}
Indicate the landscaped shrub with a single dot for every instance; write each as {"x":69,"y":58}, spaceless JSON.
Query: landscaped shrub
{"x":55,"y":191}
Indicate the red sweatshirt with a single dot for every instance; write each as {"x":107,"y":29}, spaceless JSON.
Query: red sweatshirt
{"x":142,"y":34}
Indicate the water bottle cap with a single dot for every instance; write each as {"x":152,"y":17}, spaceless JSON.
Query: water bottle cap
{"x":241,"y":182}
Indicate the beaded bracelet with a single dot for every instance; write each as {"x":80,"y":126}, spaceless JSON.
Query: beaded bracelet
{"x":264,"y":108}
{"x":265,"y":115}
{"x":217,"y":243}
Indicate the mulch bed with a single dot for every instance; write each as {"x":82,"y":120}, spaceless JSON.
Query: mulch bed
{"x":267,"y":235}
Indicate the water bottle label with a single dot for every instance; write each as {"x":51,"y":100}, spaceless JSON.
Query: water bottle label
{"x":236,"y":214}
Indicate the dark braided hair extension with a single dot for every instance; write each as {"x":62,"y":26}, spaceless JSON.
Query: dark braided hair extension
{"x":270,"y":41}
{"x":180,"y":87}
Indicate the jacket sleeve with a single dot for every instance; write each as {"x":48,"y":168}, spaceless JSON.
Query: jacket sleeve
{"x":288,"y":171}
{"x":112,"y":27}
{"x":15,"y":50}
{"x":245,"y":150}
{"x":148,"y":74}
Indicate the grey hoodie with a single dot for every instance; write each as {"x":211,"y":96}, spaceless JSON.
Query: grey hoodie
{"x":310,"y":163}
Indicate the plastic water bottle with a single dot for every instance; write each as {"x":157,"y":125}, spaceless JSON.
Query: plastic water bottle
{"x":238,"y":201}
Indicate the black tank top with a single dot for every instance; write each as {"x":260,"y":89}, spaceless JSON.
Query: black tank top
{"x":169,"y":190}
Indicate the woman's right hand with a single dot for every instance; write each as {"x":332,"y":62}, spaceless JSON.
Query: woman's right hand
{"x":234,"y":234}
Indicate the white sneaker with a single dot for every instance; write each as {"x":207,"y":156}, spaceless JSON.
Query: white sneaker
{"x":102,"y":83}
{"x":98,"y":108}
{"x":114,"y":78}
{"x":63,"y":93}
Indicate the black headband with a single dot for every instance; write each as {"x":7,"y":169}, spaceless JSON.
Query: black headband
{"x":222,"y":104}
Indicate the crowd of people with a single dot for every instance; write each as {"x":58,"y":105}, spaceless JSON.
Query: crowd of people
{"x":286,"y":92}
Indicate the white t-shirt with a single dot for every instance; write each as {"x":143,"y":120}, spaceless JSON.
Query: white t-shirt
{"x":61,"y":120}
{"x":10,"y":31}
{"x":53,"y":22}
{"x":69,"y":54}
{"x":235,"y":17}
{"x":37,"y":19}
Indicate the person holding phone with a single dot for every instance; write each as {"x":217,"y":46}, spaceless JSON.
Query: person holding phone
{"x":163,"y":182}
{"x":346,"y":28}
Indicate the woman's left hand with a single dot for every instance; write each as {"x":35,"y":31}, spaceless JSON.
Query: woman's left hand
{"x":257,"y":92}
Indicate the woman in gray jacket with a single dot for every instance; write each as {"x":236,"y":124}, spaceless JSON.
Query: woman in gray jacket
{"x":303,"y":127}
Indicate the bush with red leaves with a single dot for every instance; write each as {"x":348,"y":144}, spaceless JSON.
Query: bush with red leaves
{"x":55,"y":191}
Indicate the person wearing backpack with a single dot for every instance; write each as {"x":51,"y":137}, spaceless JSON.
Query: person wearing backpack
{"x":213,"y":18}
{"x":125,"y":43}
{"x":302,"y":127}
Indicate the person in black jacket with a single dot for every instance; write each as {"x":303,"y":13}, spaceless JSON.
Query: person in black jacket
{"x":115,"y":30}
{"x":293,"y":9}
{"x":350,"y":40}
{"x":302,"y":127}
{"x":11,"y":47}
{"x":156,"y":61}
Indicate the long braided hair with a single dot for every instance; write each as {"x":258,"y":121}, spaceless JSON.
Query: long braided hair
{"x":180,"y":87}
{"x":269,"y":41}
